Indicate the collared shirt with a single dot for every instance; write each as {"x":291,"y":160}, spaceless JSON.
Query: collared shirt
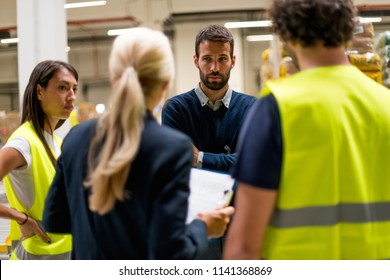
{"x":210,"y":131}
{"x":204,"y":100}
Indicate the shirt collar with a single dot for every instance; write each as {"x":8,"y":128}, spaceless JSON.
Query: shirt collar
{"x":204,"y":100}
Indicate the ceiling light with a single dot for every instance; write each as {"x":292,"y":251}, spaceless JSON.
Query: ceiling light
{"x":372,"y":19}
{"x":116,"y":32}
{"x":257,"y":38}
{"x":243,"y":24}
{"x":100,"y":108}
{"x":84,"y":4}
{"x":9,"y":41}
{"x":16,"y":40}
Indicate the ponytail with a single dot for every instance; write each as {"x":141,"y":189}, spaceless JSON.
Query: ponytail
{"x":141,"y":61}
{"x":119,"y":135}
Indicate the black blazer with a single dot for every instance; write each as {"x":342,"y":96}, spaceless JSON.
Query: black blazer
{"x":148,"y":225}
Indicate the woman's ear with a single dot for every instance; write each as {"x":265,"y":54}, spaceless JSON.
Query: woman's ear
{"x":165,"y":85}
{"x":160,"y":93}
{"x":39,"y":92}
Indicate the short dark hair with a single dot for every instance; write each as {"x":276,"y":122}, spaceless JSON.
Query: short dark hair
{"x":214,"y":33}
{"x":313,"y":21}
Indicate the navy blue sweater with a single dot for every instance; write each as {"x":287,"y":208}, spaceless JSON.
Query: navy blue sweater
{"x":213,"y":132}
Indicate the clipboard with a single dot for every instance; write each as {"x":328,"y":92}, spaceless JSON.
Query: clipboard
{"x":209,"y":190}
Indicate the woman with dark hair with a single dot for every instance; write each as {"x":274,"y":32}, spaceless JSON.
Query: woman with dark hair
{"x":27,"y":161}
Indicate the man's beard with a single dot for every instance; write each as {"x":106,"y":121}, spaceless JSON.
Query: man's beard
{"x":214,"y":85}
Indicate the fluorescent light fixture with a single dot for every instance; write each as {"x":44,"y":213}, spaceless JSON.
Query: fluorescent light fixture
{"x":243,"y":24}
{"x":100,"y":108}
{"x":257,"y":38}
{"x":372,"y":19}
{"x":116,"y":32}
{"x":16,"y":40}
{"x":9,"y":41}
{"x":85,"y":4}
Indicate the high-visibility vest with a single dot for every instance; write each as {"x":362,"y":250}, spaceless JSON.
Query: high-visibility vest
{"x":334,"y":194}
{"x":43,"y":173}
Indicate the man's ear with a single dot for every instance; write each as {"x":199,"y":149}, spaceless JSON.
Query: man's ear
{"x":196,"y":61}
{"x":291,"y":45}
{"x":233,"y":61}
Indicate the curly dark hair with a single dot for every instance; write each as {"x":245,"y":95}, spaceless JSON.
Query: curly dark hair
{"x":311,"y":21}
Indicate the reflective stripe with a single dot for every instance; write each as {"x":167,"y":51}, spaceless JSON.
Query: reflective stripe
{"x":22,"y":254}
{"x":331,"y":215}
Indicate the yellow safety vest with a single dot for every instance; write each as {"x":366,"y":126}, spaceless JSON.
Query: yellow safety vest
{"x":334,"y":195}
{"x":43,"y":173}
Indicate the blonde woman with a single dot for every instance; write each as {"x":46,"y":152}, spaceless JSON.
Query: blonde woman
{"x":121,"y":186}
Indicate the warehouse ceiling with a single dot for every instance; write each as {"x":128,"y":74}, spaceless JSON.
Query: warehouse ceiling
{"x":87,"y":30}
{"x":92,"y":23}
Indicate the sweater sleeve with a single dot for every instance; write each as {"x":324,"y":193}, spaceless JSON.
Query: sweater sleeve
{"x":171,"y":115}
{"x":221,"y":162}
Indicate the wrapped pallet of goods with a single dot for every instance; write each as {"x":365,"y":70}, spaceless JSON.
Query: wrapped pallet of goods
{"x":266,"y":68}
{"x":382,"y":47}
{"x":9,"y":121}
{"x":84,"y":111}
{"x":369,"y":63}
{"x":288,"y":66}
{"x":277,"y":62}
{"x":361,"y":51}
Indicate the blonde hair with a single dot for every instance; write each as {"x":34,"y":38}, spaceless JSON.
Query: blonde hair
{"x":141,"y":61}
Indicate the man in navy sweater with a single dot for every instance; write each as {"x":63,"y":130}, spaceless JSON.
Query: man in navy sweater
{"x":212,"y":113}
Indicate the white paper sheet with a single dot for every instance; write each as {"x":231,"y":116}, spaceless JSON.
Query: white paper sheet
{"x":208,"y":190}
